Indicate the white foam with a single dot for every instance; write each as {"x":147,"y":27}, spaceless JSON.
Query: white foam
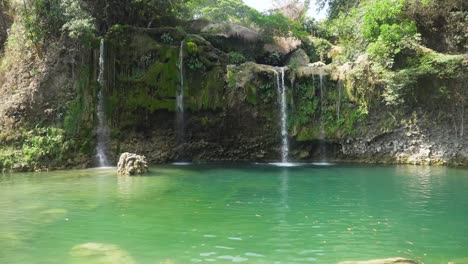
{"x":182,"y":163}
{"x":286,"y":164}
{"x":323,"y":163}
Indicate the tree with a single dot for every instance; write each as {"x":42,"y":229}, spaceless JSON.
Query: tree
{"x":335,"y":7}
{"x":293,"y":9}
{"x":234,"y":11}
{"x":5,"y":21}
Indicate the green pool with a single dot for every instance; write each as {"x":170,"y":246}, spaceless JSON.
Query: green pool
{"x":249,"y":213}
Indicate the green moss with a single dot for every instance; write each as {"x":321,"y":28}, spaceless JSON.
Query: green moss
{"x":313,"y":119}
{"x":78,"y":109}
{"x":437,"y":64}
{"x":192,"y":48}
{"x":236,"y":58}
{"x":205,"y":91}
{"x":251,"y":93}
{"x":232,"y":80}
{"x":151,"y":89}
{"x":308,"y":133}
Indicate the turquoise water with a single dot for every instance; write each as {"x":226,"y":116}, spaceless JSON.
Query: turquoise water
{"x":235,"y":213}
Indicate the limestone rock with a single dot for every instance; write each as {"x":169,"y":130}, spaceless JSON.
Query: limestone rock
{"x":132,"y":164}
{"x":299,"y":58}
{"x":283,"y":45}
{"x":382,"y":261}
{"x":232,"y":31}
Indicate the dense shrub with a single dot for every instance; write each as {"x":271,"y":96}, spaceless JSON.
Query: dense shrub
{"x":236,"y":58}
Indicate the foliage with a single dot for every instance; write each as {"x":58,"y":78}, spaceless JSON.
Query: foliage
{"x":76,"y":110}
{"x":387,"y":31}
{"x":315,"y":28}
{"x":274,"y":58}
{"x":78,"y":22}
{"x":399,"y":84}
{"x":322,"y":47}
{"x":274,"y":24}
{"x":192,"y":48}
{"x":308,"y":104}
{"x":48,"y":19}
{"x":17,"y":46}
{"x":42,"y":18}
{"x":313,"y":118}
{"x":132,"y":12}
{"x":41,"y":145}
{"x":236,"y":58}
{"x":231,"y":77}
{"x":267,"y":91}
{"x":335,"y":7}
{"x":438,"y":20}
{"x":195,"y":64}
{"x":345,"y":29}
{"x":378,"y":27}
{"x":233,"y":11}
{"x":167,"y":39}
{"x":270,"y":23}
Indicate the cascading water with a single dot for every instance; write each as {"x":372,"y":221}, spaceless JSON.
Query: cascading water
{"x":284,"y":116}
{"x":180,"y":97}
{"x":322,"y":109}
{"x":102,"y":129}
{"x":338,"y":104}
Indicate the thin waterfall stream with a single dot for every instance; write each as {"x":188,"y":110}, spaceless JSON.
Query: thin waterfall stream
{"x":180,"y":98}
{"x":284,"y":116}
{"x":102,"y":131}
{"x":338,"y":104}
{"x":322,"y":111}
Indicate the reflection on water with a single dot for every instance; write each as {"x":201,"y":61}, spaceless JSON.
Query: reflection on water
{"x":242,"y":213}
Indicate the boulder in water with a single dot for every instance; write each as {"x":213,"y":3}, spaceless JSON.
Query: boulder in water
{"x":132,"y":164}
{"x":382,"y":261}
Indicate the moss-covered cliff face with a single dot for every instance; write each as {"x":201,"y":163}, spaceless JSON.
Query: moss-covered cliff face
{"x":233,"y":111}
{"x":354,"y":111}
{"x":222,"y":121}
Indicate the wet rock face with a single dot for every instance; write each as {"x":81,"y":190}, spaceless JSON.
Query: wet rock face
{"x":422,"y":143}
{"x":382,"y":261}
{"x":132,"y":164}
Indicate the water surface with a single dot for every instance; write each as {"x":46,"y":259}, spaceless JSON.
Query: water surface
{"x":235,"y":213}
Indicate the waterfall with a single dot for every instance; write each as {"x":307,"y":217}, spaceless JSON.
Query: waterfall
{"x":321,"y":89}
{"x":338,"y":104}
{"x":180,"y":97}
{"x":102,"y":129}
{"x":284,"y":116}
{"x":322,"y":111}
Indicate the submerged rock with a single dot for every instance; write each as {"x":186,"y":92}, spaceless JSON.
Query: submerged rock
{"x":132,"y":164}
{"x":100,"y":253}
{"x":382,"y":261}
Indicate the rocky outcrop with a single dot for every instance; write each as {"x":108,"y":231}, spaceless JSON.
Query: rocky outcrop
{"x":132,"y":164}
{"x":232,"y":31}
{"x":298,"y":58}
{"x":382,"y":261}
